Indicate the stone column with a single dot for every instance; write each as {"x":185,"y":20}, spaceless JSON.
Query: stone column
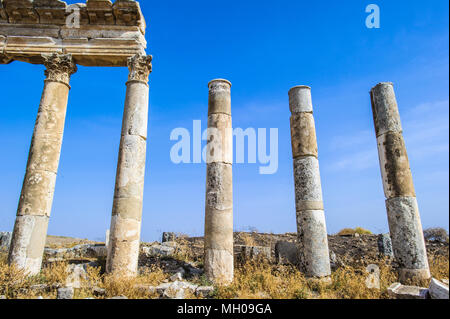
{"x":219,"y":259}
{"x":311,"y":227}
{"x":403,"y":214}
{"x":123,"y":246}
{"x":30,"y":229}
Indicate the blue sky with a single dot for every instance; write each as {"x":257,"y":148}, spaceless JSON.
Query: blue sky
{"x":264,"y":48}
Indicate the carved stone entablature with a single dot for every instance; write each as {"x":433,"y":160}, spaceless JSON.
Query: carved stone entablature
{"x":3,"y":16}
{"x":140,"y":67}
{"x":101,"y":34}
{"x":3,"y":58}
{"x":100,"y":12}
{"x":21,"y":11}
{"x":55,"y":12}
{"x":59,"y":67}
{"x":126,"y":12}
{"x":51,"y":11}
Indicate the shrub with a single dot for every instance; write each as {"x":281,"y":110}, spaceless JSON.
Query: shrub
{"x":362,"y":231}
{"x":350,"y":231}
{"x":436,"y":234}
{"x":346,"y":232}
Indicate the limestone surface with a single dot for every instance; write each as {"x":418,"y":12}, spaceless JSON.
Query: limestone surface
{"x":384,"y":243}
{"x":96,"y":33}
{"x":438,"y":289}
{"x":5,"y":239}
{"x":125,"y":230}
{"x":401,"y":205}
{"x":35,"y":203}
{"x":314,"y":257}
{"x":219,"y":185}
{"x":287,"y":253}
{"x":385,"y":109}
{"x":399,"y":291}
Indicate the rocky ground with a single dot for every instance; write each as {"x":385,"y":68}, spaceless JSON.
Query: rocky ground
{"x":353,"y":250}
{"x":176,"y":270}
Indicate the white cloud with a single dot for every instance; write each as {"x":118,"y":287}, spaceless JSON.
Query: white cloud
{"x":426,"y":131}
{"x":350,"y":142}
{"x":357,"y":161}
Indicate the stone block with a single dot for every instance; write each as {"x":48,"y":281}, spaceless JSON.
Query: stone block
{"x":159,"y":251}
{"x":21,"y":11}
{"x":384,"y":108}
{"x":385,"y":245}
{"x":65,"y":293}
{"x":286,"y":253}
{"x":51,"y":11}
{"x":168,"y":236}
{"x":204,"y":291}
{"x":5,"y":239}
{"x":254,"y":252}
{"x":100,"y":12}
{"x":399,"y":291}
{"x":300,"y":99}
{"x":438,"y":290}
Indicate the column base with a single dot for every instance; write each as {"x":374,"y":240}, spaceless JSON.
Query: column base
{"x":219,"y":266}
{"x":414,"y":276}
{"x":313,"y":240}
{"x":28,"y":242}
{"x":122,"y":260}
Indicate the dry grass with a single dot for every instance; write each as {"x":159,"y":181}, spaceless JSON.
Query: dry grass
{"x":133,"y":288}
{"x":439,"y":266}
{"x":248,"y":239}
{"x":14,"y":284}
{"x":351,"y":231}
{"x":259,"y":280}
{"x":184,"y":250}
{"x":254,"y":280}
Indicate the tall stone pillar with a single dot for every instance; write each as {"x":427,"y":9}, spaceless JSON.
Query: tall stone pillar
{"x":403,"y":214}
{"x":219,"y":259}
{"x":33,"y":213}
{"x":311,"y":227}
{"x":123,"y":248}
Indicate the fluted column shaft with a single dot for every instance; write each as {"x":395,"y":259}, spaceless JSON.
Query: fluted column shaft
{"x":311,"y":227}
{"x":219,"y":185}
{"x":33,"y":213}
{"x":123,"y":249}
{"x":405,"y":226}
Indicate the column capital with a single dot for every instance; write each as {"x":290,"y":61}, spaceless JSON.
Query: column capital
{"x":140,"y":67}
{"x":59,"y":67}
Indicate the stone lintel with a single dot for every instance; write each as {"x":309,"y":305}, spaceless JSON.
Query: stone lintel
{"x":107,"y":35}
{"x":55,"y":12}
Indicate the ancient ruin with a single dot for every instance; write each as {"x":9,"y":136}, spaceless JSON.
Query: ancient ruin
{"x":59,"y":36}
{"x":311,"y":227}
{"x":106,"y":34}
{"x":219,"y":185}
{"x":124,"y":238}
{"x":95,"y":33}
{"x":403,"y":213}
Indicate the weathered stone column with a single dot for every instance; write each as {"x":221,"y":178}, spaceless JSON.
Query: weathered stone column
{"x":219,"y":185}
{"x":403,"y":214}
{"x":311,"y":227}
{"x":123,"y":246}
{"x":33,"y":213}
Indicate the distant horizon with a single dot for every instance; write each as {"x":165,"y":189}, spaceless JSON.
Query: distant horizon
{"x":263,"y":48}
